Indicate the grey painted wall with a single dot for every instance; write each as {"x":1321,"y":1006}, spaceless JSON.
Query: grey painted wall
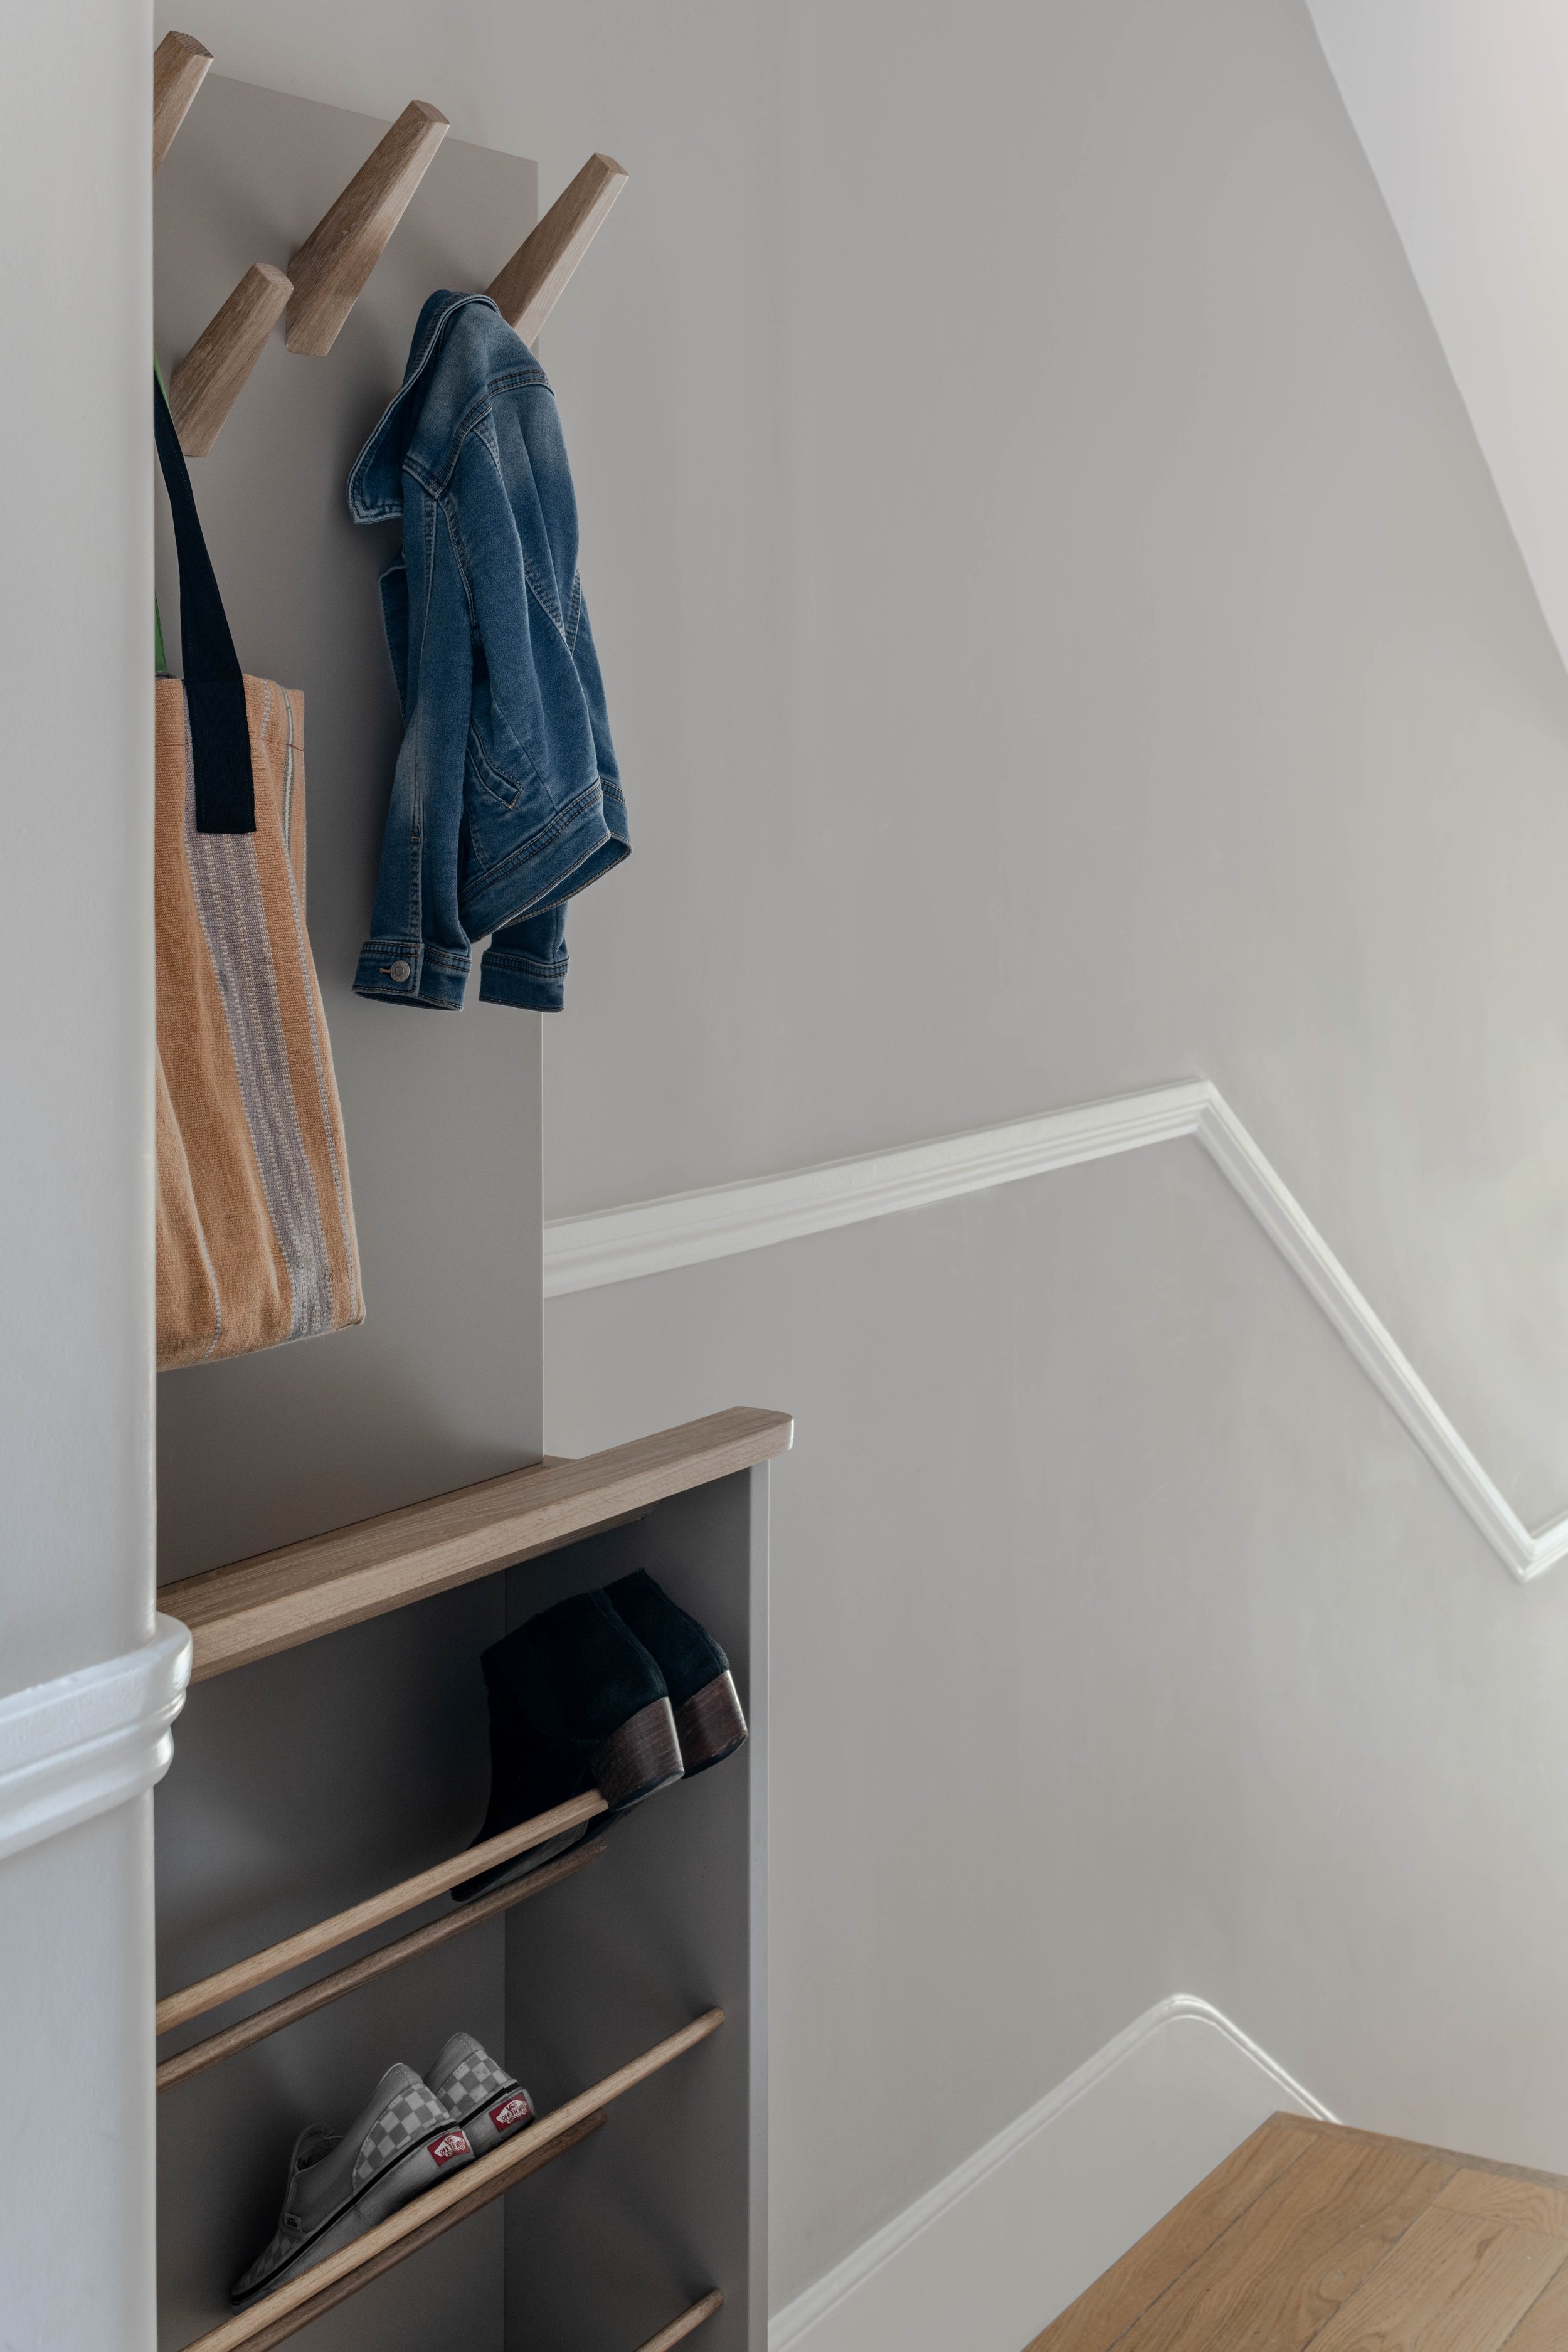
{"x":76,"y":1333}
{"x":1061,"y":636}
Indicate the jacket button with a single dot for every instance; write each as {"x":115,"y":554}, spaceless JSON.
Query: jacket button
{"x":398,"y":970}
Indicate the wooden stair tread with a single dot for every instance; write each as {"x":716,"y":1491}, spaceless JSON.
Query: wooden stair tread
{"x":257,"y":1607}
{"x":1316,"y":2234}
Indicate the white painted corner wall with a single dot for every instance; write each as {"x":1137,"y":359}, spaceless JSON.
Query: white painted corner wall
{"x":994,"y":2252}
{"x":88,"y":1682}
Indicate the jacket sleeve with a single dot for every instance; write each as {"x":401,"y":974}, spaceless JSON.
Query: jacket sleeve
{"x":525,"y":963}
{"x":418,"y":952}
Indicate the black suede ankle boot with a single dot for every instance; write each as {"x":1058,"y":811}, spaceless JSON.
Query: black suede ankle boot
{"x":577,"y":1703}
{"x":697,"y":1674}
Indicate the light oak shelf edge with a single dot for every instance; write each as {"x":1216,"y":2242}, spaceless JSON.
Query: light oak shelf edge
{"x":257,"y":1607}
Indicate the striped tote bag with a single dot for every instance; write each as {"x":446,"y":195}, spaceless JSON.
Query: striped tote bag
{"x":256,"y":1229}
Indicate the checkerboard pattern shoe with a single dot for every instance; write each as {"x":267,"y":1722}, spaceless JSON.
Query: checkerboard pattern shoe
{"x":489,"y":2102}
{"x":340,"y":2184}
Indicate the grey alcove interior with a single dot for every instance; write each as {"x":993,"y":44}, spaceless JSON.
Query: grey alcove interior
{"x":306,"y":1782}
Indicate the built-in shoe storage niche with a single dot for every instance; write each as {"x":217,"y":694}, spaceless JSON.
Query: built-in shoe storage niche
{"x":333,"y":1756}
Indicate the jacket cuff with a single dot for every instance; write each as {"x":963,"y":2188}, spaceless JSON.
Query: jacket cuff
{"x":405,"y":971}
{"x":506,"y":977}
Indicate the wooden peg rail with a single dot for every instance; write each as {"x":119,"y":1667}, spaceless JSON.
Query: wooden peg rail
{"x":680,"y":2330}
{"x":328,"y":1989}
{"x":528,"y":289}
{"x":262,"y":1968}
{"x":290,"y":2323}
{"x":437,"y":2208}
{"x":259,"y":1606}
{"x":330,"y":269}
{"x":180,"y":66}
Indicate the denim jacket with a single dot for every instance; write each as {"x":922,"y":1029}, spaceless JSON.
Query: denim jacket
{"x":505,"y":798}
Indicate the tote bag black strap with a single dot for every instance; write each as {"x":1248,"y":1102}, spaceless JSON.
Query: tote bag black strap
{"x":214,"y":683}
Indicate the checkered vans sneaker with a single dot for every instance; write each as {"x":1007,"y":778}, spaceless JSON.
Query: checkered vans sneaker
{"x":340,"y":2184}
{"x":416,"y":2114}
{"x":489,"y":2102}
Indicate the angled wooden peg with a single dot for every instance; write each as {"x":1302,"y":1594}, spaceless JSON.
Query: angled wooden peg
{"x":179,"y":68}
{"x":330,"y":270}
{"x":528,"y":289}
{"x":209,"y":379}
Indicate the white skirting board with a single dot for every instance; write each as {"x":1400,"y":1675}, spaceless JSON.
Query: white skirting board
{"x":991,"y":2254}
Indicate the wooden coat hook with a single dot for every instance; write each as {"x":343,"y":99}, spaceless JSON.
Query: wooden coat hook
{"x":212,"y":376}
{"x":330,"y":270}
{"x":180,"y":66}
{"x":527,"y":290}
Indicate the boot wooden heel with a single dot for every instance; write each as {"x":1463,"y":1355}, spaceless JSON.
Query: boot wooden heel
{"x":710,"y":1724}
{"x":641,"y":1758}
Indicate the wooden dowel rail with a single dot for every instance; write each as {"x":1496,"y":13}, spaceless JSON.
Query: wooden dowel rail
{"x":180,"y":66}
{"x":214,"y":372}
{"x":680,"y":2330}
{"x":260,"y":1968}
{"x":332,"y":267}
{"x":502,"y":2166}
{"x":280,"y":2013}
{"x":277,"y":2331}
{"x":528,"y":289}
{"x":257,"y":1607}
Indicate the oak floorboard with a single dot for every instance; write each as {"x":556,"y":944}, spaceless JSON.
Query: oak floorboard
{"x":1523,"y":2204}
{"x":1317,"y":2237}
{"x":1544,"y":2327}
{"x":1455,"y":2283}
{"x":1125,"y":2291}
{"x":1282,"y":2271}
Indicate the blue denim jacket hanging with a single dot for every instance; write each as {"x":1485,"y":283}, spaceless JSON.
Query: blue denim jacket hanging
{"x":506,"y":799}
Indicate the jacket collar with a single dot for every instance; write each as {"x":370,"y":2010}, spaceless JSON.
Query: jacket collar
{"x":375,"y":485}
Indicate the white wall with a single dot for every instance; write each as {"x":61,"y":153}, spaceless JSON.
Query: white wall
{"x":1461,"y":104}
{"x":1062,"y":636}
{"x":75,"y":1578}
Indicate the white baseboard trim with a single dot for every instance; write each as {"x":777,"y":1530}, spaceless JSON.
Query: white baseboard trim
{"x":74,"y":1747}
{"x":991,"y":2254}
{"x":688,"y":1228}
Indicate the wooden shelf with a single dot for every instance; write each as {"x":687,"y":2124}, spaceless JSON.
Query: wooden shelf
{"x":439,"y":2208}
{"x":328,"y":1989}
{"x":257,"y":1607}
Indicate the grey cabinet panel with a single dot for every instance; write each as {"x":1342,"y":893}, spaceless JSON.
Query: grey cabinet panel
{"x":442,"y":1384}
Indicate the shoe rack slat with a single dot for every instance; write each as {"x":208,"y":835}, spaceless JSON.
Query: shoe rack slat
{"x":680,"y":2330}
{"x":295,"y":1952}
{"x":277,"y":2331}
{"x":280,"y":2013}
{"x":254,"y":1608}
{"x":495,"y":2173}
